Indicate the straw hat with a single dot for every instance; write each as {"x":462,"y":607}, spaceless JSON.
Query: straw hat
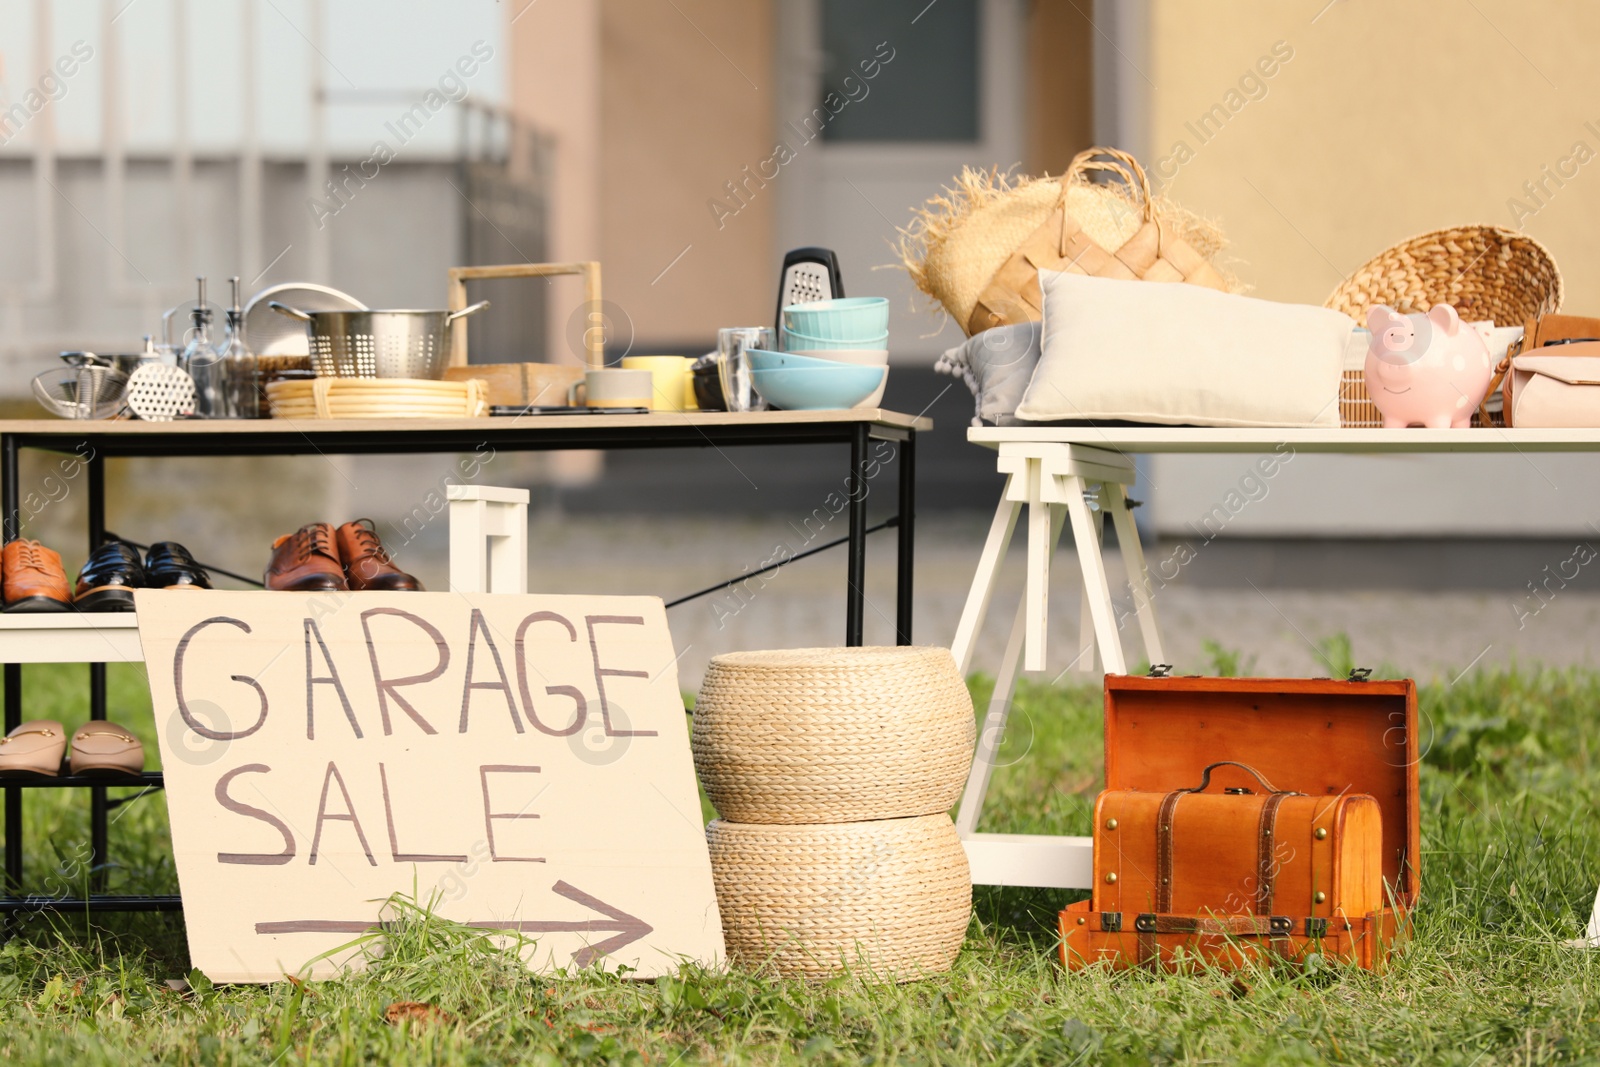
{"x":957,"y":242}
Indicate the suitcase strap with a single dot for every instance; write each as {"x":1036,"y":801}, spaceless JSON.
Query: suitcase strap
{"x":1221,"y":925}
{"x":1261,"y":923}
{"x":1266,"y":853}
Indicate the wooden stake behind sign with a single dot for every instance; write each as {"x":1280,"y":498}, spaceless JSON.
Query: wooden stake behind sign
{"x":519,"y":763}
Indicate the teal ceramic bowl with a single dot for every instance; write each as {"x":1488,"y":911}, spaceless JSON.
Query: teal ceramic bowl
{"x":806,"y":383}
{"x":794,"y":340}
{"x":852,"y":317}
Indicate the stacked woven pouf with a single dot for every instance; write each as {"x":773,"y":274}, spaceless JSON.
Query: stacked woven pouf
{"x":833,"y":771}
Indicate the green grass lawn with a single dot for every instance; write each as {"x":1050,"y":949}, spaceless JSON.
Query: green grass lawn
{"x":1511,"y":859}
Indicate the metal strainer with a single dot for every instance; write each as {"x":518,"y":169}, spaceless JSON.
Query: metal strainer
{"x":378,"y":344}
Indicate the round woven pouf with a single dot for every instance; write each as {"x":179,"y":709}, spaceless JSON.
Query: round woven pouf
{"x":826,"y":735}
{"x":890,"y":898}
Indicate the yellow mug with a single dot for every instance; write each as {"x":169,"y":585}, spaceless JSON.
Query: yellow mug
{"x":668,"y":375}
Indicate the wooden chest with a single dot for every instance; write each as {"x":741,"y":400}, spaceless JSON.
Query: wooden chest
{"x":1243,"y":869}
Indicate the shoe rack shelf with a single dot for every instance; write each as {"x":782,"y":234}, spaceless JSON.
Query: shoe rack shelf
{"x":69,"y":637}
{"x":111,"y":637}
{"x":487,"y":550}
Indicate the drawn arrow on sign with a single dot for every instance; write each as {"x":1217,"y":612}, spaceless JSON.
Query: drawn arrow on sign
{"x":626,"y":928}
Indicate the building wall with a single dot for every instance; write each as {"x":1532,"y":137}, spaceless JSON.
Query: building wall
{"x":1378,"y":122}
{"x":555,"y":86}
{"x":1389,"y":120}
{"x":686,"y":102}
{"x":1060,"y":84}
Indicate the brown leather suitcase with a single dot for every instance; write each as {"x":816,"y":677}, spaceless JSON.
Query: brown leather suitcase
{"x":1251,"y":818}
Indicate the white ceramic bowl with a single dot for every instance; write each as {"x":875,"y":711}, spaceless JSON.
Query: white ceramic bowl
{"x":875,"y":398}
{"x":864,"y":357}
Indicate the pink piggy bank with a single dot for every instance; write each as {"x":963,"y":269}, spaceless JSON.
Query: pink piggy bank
{"x":1428,"y":370}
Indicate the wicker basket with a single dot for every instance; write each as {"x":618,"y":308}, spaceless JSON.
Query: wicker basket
{"x":377,"y":398}
{"x":1484,"y":272}
{"x":891,"y":898}
{"x":832,"y":735}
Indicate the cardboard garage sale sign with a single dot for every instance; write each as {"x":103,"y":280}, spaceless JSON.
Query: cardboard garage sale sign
{"x":518,"y":763}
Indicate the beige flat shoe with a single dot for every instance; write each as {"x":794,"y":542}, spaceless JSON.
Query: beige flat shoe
{"x":35,"y":747}
{"x":106,"y":748}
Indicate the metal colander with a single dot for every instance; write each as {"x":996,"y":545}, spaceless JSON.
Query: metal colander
{"x":378,"y":344}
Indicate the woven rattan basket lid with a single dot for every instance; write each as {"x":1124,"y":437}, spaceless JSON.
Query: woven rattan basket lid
{"x":1484,"y":272}
{"x":826,"y":735}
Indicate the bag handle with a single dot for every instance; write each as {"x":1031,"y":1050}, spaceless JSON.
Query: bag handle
{"x":1120,"y":163}
{"x":1499,"y":376}
{"x":1205,"y":778}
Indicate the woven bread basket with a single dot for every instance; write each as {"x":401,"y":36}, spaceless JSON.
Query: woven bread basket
{"x":982,"y":241}
{"x":1484,"y":272}
{"x":832,"y":735}
{"x":891,"y":897}
{"x":377,"y":398}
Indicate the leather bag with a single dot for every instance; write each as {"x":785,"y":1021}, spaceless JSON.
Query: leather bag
{"x":1552,"y":387}
{"x":1552,"y":338}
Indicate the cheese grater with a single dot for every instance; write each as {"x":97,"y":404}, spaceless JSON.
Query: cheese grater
{"x":808,"y":274}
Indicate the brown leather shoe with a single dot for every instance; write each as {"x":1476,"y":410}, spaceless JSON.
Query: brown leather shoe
{"x":306,"y":561}
{"x":34,"y":578}
{"x":367,"y":565}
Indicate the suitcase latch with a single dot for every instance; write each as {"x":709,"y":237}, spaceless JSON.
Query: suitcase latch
{"x":1160,"y":670}
{"x":1317,"y":928}
{"x":1111,"y":922}
{"x":1359,"y":674}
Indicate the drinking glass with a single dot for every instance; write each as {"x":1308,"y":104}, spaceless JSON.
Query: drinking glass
{"x":733,"y":367}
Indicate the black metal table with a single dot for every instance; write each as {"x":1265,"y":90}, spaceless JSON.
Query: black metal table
{"x":94,"y":442}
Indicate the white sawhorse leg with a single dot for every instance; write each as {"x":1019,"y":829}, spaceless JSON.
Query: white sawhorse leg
{"x":1053,"y":480}
{"x":488,"y":539}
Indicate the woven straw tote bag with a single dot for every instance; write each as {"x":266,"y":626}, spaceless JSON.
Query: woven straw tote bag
{"x":889,"y":898}
{"x":832,"y":735}
{"x":978,"y":248}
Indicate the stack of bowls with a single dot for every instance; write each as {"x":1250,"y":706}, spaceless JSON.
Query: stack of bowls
{"x":792,"y":382}
{"x":846,"y":330}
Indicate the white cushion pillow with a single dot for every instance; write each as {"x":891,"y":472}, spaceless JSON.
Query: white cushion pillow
{"x":1183,"y":355}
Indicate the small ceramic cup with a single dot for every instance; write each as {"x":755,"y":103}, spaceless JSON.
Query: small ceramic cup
{"x":668,"y":374}
{"x":613,"y":387}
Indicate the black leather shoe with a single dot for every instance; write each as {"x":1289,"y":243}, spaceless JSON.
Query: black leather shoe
{"x":109,"y":578}
{"x":168,"y":565}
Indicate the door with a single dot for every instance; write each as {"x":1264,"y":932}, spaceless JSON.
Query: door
{"x":881,"y":104}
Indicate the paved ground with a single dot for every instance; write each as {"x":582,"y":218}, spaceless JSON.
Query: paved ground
{"x":1428,"y":633}
{"x":1430,"y":609}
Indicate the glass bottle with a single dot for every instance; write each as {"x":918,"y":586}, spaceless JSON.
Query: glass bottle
{"x":240,"y":364}
{"x":202,"y":358}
